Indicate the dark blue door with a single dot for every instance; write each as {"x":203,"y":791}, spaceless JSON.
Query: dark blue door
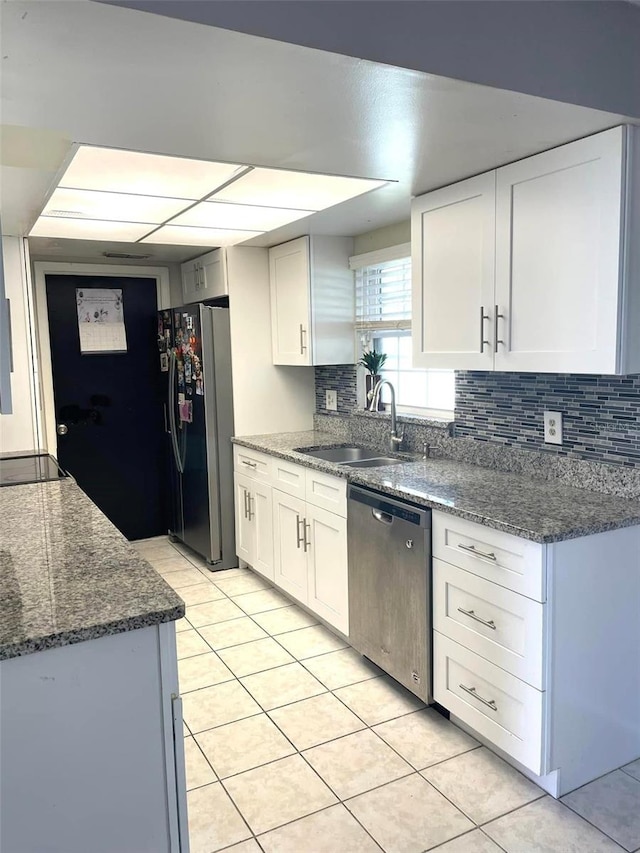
{"x":112,"y":405}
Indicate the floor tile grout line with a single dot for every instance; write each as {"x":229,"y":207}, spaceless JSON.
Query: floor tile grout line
{"x":587,"y":820}
{"x":559,"y":801}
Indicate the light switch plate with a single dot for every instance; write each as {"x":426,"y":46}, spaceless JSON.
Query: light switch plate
{"x":331,"y":401}
{"x":553,"y":427}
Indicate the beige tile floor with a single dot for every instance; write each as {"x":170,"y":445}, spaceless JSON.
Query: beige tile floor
{"x":296,"y":744}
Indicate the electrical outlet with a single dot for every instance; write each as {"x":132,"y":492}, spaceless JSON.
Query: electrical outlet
{"x":553,"y":427}
{"x":331,"y":401}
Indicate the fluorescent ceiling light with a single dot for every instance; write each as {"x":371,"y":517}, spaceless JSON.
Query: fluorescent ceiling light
{"x":89,"y":204}
{"x":279,"y":188}
{"x":145,"y":174}
{"x":89,"y":229}
{"x":211,"y":214}
{"x":179,"y":235}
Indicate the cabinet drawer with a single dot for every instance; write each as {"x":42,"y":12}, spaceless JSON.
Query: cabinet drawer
{"x":507,"y":560}
{"x":497,"y":705}
{"x":500,"y":625}
{"x":327,"y":492}
{"x":289,"y":477}
{"x":252,"y":462}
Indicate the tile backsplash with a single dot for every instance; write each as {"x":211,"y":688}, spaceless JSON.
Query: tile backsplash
{"x":340,"y":378}
{"x":601,"y":414}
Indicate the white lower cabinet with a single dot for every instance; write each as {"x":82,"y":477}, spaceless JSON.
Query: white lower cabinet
{"x":328,"y":593}
{"x":254,"y":524}
{"x":310,"y":556}
{"x":290,"y":556}
{"x":504,"y":709}
{"x":291,"y":527}
{"x":536,"y":647}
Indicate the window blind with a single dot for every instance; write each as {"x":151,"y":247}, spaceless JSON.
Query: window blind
{"x":383,"y":295}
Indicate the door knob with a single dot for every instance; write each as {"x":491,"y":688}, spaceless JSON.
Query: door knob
{"x":62,"y":429}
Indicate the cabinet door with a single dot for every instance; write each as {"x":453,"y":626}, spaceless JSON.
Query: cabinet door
{"x":327,"y":566}
{"x":190,"y":282}
{"x":453,"y":260}
{"x":290,"y":308}
{"x":262,"y":521}
{"x":290,"y":559}
{"x":557,"y":258}
{"x":245,"y":526}
{"x":213,"y":275}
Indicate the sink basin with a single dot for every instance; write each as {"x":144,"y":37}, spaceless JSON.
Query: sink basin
{"x":373,"y":463}
{"x":340,"y":454}
{"x":351,"y":457}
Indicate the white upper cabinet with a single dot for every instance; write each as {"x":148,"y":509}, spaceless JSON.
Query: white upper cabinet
{"x":205,"y":277}
{"x":453,"y":264}
{"x":562,"y":292}
{"x":312,"y":301}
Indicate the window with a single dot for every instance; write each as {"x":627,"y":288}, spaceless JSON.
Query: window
{"x":383,"y":322}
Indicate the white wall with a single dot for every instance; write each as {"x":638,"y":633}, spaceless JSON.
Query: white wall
{"x":18,"y":430}
{"x":382,"y":238}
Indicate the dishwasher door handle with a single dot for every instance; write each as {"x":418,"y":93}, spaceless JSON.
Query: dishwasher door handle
{"x":383,"y":517}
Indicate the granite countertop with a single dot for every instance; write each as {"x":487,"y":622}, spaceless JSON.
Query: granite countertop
{"x":68,"y":575}
{"x":540,"y":510}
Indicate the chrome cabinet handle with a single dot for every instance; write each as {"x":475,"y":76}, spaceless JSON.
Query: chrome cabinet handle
{"x":496,"y":339}
{"x":470,"y":613}
{"x":483,"y":317}
{"x":251,"y":512}
{"x":303,"y":334}
{"x":307,"y":542}
{"x":249,"y":464}
{"x":478,"y":553}
{"x":299,"y":538}
{"x":246,"y":509}
{"x":490,"y":703}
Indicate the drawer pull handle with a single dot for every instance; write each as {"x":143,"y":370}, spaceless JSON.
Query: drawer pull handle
{"x":477,"y":553}
{"x":470,"y":613}
{"x":490,"y":703}
{"x":300,"y":539}
{"x":249,"y":464}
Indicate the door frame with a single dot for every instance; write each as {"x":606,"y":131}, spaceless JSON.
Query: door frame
{"x":47,"y":437}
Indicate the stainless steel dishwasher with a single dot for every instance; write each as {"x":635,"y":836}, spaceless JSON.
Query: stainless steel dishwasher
{"x":390,"y":586}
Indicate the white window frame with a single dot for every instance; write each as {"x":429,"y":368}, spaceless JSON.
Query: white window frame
{"x":365,"y":336}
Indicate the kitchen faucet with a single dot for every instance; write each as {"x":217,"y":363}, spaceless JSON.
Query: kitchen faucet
{"x":395,"y":440}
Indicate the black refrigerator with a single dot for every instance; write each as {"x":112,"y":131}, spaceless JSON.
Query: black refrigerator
{"x":195,"y":357}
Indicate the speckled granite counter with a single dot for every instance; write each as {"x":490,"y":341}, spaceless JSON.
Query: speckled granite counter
{"x":539,"y":510}
{"x":67,"y":574}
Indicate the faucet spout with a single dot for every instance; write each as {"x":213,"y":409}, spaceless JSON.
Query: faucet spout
{"x":395,"y":440}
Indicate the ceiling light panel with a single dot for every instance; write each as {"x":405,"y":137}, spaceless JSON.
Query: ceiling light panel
{"x":89,"y":204}
{"x":113,"y":170}
{"x":89,"y":229}
{"x":179,"y":235}
{"x":243,"y":216}
{"x":279,"y":188}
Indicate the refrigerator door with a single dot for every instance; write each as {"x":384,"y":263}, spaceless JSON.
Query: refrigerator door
{"x":218,"y":401}
{"x":200,"y":426}
{"x":190,"y":431}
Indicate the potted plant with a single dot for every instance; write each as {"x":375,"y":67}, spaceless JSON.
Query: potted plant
{"x":373,"y":362}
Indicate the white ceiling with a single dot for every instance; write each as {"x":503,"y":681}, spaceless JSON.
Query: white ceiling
{"x":77,"y":71}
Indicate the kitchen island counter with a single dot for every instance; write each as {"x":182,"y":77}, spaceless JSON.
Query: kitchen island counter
{"x":540,"y":510}
{"x":68,"y":575}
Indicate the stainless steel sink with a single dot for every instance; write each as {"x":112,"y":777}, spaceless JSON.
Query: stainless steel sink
{"x":351,"y":457}
{"x":340,"y":454}
{"x":377,"y":462}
